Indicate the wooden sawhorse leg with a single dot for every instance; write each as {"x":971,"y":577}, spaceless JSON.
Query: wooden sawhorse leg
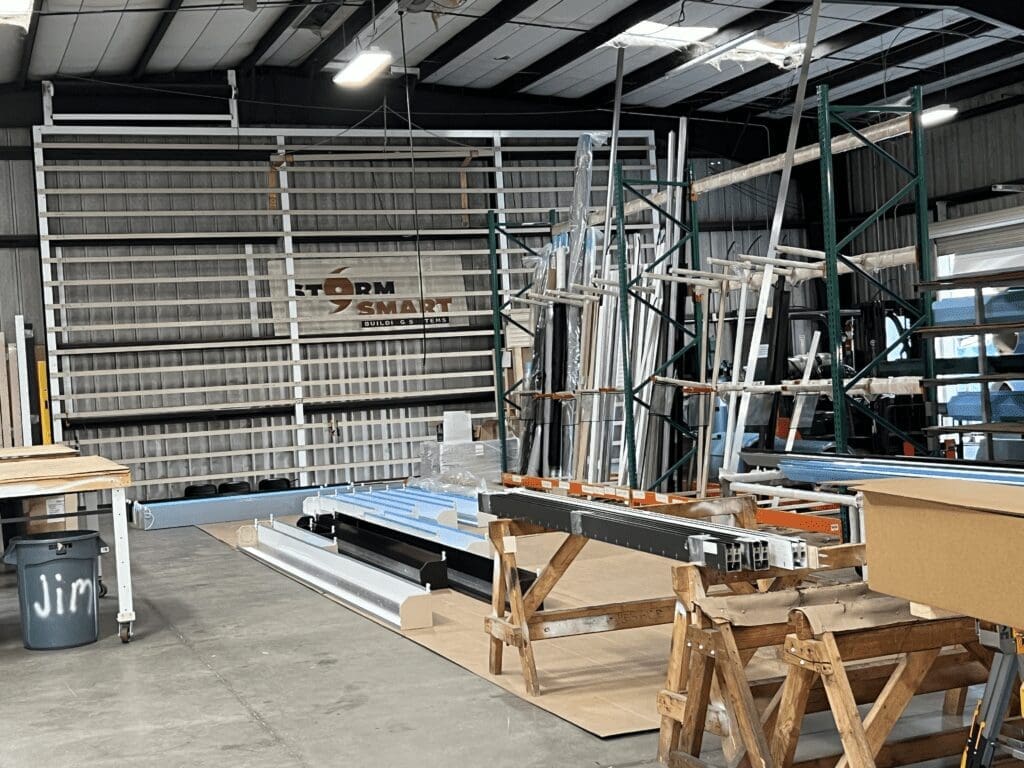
{"x":708,"y":655}
{"x":507,"y":589}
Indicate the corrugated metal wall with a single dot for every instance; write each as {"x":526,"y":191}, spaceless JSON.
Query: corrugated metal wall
{"x":20,"y":291}
{"x":969,"y":154}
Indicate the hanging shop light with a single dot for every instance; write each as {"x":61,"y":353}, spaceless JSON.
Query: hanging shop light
{"x":367,"y":65}
{"x":938,"y":115}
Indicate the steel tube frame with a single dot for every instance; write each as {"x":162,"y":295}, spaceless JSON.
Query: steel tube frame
{"x":829,"y":114}
{"x":689,"y":235}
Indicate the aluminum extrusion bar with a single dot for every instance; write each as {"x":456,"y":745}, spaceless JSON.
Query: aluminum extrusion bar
{"x":367,"y":589}
{"x":721,"y":546}
{"x":824,"y":471}
{"x":178,"y":513}
{"x":409,"y":553}
{"x":423,"y":528}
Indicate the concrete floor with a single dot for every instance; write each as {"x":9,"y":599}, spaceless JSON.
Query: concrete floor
{"x":236,"y":665}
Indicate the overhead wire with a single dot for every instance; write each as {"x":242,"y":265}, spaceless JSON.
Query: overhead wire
{"x":415,"y":190}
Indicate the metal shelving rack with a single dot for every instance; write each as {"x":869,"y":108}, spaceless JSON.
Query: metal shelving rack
{"x":916,"y":184}
{"x":501,"y":318}
{"x":628,"y":283}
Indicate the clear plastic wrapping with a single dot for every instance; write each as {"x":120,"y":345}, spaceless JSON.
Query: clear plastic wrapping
{"x":468,"y":464}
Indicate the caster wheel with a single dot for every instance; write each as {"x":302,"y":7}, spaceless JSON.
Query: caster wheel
{"x":125,"y":632}
{"x":102,"y":590}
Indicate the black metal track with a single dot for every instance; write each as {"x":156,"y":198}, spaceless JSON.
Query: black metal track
{"x":502,"y":13}
{"x":335,"y":42}
{"x":831,"y":46}
{"x":772,"y":13}
{"x":963,"y":63}
{"x":281,"y":24}
{"x":166,"y":17}
{"x":893,"y":57}
{"x":656,"y":534}
{"x":349,"y":406}
{"x":1008,"y":12}
{"x":584,"y":43}
{"x":410,"y":557}
{"x":29,"y":44}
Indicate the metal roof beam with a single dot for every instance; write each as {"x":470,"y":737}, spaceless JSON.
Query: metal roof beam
{"x":29,"y":44}
{"x":346,"y":32}
{"x":964,"y":63}
{"x":862,"y":33}
{"x":728,"y":35}
{"x":166,"y":17}
{"x":281,"y":24}
{"x":502,"y":13}
{"x":1009,"y":14}
{"x":894,"y":56}
{"x":584,"y":43}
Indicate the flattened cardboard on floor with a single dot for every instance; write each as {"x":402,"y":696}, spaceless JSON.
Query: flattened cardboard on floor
{"x":950,"y":544}
{"x":604,"y":683}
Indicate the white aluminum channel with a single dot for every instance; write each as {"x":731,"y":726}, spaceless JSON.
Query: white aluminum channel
{"x":389,"y":598}
{"x":49,"y":277}
{"x":293,"y":320}
{"x":48,"y":137}
{"x":22,"y":354}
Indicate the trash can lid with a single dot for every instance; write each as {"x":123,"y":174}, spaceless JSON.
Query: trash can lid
{"x":53,"y":537}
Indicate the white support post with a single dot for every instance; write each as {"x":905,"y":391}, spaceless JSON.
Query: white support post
{"x":50,"y":273}
{"x":301,"y":437}
{"x":254,"y":310}
{"x":798,"y":406}
{"x":732,"y":462}
{"x":47,"y":90}
{"x":233,"y":101}
{"x":122,"y":558}
{"x":499,"y":184}
{"x":22,"y":352}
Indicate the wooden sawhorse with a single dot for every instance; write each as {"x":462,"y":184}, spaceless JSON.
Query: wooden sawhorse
{"x":526,"y":624}
{"x":824,"y":629}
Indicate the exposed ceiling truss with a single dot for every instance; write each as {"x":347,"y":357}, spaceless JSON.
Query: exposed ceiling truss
{"x":874,"y":49}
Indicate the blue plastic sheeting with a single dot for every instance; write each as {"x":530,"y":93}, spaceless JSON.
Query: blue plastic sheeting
{"x":817,"y":471}
{"x":1006,"y":406}
{"x":999,"y":308}
{"x":178,"y":513}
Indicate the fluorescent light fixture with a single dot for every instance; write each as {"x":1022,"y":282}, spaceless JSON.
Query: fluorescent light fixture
{"x":938,"y":115}
{"x":653,"y":34}
{"x":363,"y":68}
{"x":16,"y":13}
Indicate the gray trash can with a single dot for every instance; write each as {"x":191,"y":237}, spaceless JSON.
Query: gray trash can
{"x":57,"y":587}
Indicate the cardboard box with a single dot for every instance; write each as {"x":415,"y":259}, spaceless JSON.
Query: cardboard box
{"x":950,"y":544}
{"x":51,"y":505}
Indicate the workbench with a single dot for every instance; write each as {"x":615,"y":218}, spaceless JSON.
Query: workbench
{"x":41,"y":471}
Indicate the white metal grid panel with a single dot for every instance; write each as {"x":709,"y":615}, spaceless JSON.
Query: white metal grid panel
{"x":165,"y":348}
